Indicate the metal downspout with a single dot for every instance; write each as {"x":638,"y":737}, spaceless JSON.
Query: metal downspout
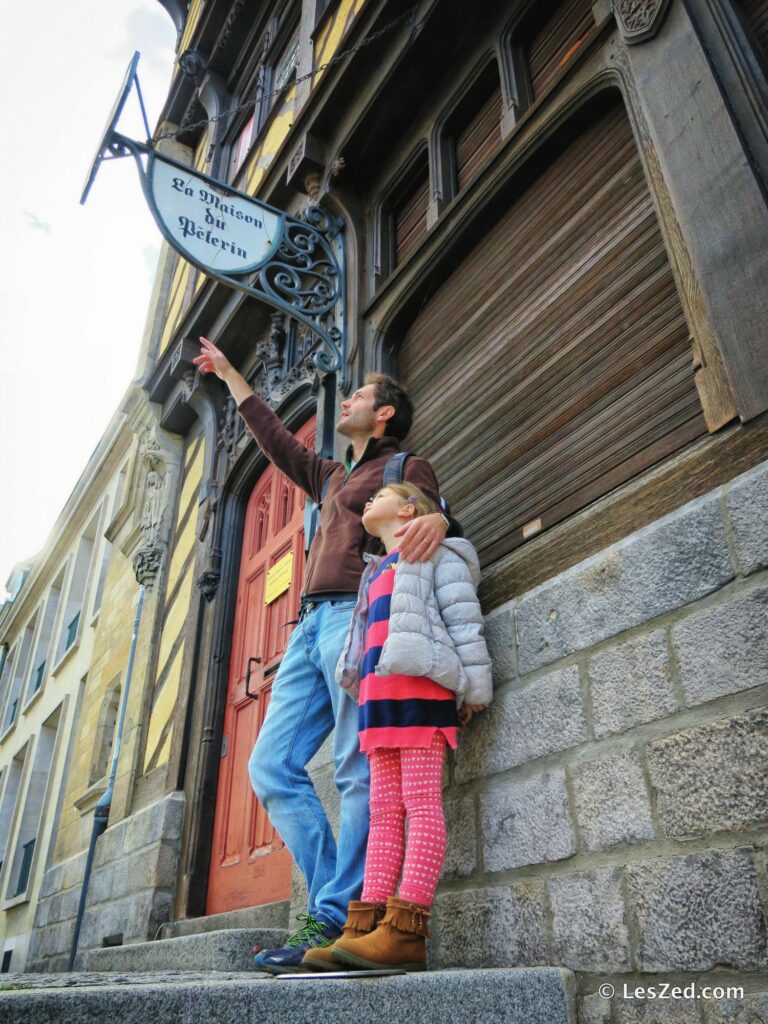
{"x":101,"y":813}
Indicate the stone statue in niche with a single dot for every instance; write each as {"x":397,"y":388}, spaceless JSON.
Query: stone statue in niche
{"x":149,"y":557}
{"x":152,"y":514}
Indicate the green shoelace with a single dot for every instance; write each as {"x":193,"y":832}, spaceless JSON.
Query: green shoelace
{"x":312,"y":931}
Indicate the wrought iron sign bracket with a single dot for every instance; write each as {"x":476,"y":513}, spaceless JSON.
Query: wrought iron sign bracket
{"x":295,"y":265}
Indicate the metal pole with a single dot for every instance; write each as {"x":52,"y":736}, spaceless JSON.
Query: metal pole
{"x":101,"y":814}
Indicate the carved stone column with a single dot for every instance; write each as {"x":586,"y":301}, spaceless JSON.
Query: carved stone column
{"x":711,"y":203}
{"x":141,"y":532}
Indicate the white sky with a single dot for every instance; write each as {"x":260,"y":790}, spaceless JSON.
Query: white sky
{"x":75,"y":280}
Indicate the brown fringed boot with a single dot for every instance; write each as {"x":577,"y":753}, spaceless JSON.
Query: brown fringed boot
{"x":398,"y":941}
{"x":362,"y":918}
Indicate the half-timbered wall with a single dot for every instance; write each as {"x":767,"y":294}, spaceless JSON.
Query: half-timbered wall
{"x":176,"y":609}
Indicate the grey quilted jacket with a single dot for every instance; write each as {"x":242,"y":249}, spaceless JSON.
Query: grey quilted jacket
{"x":435,"y":625}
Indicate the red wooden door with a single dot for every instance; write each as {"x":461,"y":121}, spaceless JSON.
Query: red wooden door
{"x":249,"y":863}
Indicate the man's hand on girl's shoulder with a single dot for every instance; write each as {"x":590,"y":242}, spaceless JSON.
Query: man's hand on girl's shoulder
{"x":422,"y":537}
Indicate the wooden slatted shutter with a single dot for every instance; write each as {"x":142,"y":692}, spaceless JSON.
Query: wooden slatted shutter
{"x":480,"y":137}
{"x":756,"y":15}
{"x":554,"y":363}
{"x":551,"y":34}
{"x":409,"y":212}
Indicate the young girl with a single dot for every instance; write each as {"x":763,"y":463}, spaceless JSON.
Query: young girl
{"x":416,"y":661}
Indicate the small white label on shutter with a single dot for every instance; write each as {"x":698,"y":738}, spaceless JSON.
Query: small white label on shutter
{"x":530,"y":528}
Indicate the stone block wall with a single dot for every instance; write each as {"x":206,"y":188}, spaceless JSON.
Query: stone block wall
{"x":131,"y":889}
{"x":609,"y":812}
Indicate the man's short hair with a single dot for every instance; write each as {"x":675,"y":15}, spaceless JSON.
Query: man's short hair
{"x":389,"y":392}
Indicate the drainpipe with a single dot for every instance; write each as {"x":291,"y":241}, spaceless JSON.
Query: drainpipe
{"x":101,"y":814}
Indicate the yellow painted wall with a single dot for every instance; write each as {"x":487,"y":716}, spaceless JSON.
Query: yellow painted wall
{"x":329,"y":38}
{"x":326,"y":45}
{"x":267,"y":146}
{"x":193,"y":17}
{"x":179,"y":592}
{"x":264,"y":153}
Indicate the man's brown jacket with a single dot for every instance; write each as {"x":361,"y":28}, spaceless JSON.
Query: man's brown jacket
{"x":335,"y":561}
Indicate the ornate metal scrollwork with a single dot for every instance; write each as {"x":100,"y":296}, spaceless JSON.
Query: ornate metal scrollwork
{"x":639,"y":20}
{"x":303,"y":272}
{"x":306,"y":276}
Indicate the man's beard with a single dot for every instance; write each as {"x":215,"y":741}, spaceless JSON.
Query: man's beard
{"x":352,"y":426}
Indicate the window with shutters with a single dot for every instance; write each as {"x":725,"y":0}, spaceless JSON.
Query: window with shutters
{"x":6,"y":675}
{"x":10,"y":799}
{"x":41,"y":662}
{"x":401,"y":221}
{"x":20,"y":671}
{"x":553,"y":363}
{"x":550,"y":35}
{"x":70,"y":627}
{"x":409,"y":214}
{"x":265,"y":85}
{"x":241,"y":146}
{"x":21,"y":855}
{"x":473,"y":131}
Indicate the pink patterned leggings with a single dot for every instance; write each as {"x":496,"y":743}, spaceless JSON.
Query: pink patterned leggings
{"x":406,"y":782}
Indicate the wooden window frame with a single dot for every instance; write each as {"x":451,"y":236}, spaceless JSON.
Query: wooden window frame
{"x":517,"y":91}
{"x":444,"y":178}
{"x":384,"y":261}
{"x":259,"y":83}
{"x":516,"y":74}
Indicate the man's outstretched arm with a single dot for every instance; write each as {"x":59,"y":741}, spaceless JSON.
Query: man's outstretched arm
{"x":303,"y":466}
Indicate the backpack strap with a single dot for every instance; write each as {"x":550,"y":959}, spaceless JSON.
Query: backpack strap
{"x":394,"y":469}
{"x":324,"y":489}
{"x":312,"y":514}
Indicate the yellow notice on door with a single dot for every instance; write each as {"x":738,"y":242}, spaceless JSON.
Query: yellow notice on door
{"x":279,"y":578}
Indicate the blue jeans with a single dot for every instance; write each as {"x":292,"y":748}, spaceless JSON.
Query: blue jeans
{"x":306,"y":704}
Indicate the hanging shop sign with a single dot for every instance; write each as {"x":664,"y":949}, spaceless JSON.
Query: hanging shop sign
{"x":293,"y":264}
{"x":209,"y":226}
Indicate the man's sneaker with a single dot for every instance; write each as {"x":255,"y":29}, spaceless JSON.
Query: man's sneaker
{"x":313,"y":934}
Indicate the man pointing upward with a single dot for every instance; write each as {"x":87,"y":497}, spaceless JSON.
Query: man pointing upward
{"x":307,"y":704}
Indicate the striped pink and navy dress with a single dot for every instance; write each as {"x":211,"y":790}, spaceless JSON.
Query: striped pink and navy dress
{"x":397,"y":710}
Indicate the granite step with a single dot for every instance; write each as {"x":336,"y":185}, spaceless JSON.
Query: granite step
{"x":522,"y":995}
{"x":269,"y":915}
{"x":225,"y":950}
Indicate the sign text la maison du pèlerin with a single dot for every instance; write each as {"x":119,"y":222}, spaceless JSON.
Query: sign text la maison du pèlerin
{"x":229,"y":233}
{"x":292,"y":264}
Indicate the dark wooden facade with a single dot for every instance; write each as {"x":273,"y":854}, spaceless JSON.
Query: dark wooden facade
{"x":556,"y":236}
